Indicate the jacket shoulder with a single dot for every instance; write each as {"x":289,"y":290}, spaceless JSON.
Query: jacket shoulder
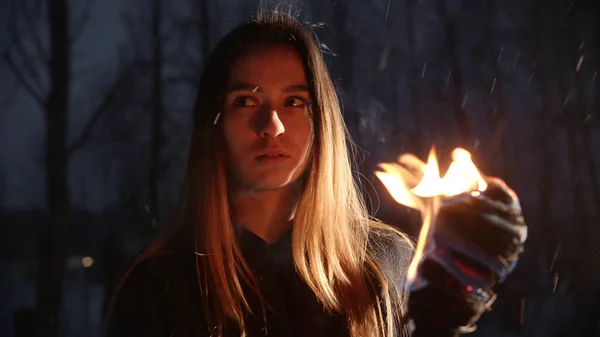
{"x":393,"y":250}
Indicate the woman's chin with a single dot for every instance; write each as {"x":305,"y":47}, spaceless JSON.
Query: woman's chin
{"x":270,"y":183}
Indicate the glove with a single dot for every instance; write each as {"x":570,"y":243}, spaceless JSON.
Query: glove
{"x":476,"y":242}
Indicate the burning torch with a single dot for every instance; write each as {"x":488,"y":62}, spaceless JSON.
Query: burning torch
{"x":471,"y":236}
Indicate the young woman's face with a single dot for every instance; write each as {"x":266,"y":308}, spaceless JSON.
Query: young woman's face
{"x":266,"y":122}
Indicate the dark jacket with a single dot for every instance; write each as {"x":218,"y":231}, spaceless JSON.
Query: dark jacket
{"x":160,"y":297}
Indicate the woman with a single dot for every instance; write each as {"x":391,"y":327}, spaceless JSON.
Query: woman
{"x":272,"y":237}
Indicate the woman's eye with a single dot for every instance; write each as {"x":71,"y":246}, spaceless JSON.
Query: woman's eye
{"x":296,"y":102}
{"x":243,"y":102}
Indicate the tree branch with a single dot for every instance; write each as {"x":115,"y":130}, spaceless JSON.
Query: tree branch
{"x":28,"y":65}
{"x":128,"y":131}
{"x":19,"y":47}
{"x":98,"y":113}
{"x":82,"y":22}
{"x":37,"y":97}
{"x":31,"y":29}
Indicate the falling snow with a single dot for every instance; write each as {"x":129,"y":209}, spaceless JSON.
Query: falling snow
{"x":579,"y":63}
{"x":464,"y":101}
{"x":553,"y":65}
{"x":554,"y":258}
{"x":383,"y":61}
{"x":516,"y":59}
{"x":567,"y":99}
{"x":387,"y":11}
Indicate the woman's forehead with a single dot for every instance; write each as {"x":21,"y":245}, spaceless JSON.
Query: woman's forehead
{"x":266,"y":66}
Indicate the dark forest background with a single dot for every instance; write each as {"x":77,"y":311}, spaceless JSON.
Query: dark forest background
{"x":95,"y":108}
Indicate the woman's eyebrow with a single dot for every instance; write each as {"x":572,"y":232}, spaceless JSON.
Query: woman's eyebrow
{"x":243,"y":87}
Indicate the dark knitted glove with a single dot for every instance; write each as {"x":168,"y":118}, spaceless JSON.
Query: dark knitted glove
{"x":475,"y":245}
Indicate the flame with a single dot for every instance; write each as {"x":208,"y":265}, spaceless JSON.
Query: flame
{"x":429,"y":189}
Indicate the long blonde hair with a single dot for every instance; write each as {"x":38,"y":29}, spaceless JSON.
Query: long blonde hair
{"x":331,"y":228}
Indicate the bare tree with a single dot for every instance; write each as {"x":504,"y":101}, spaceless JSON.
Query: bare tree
{"x":561,"y":119}
{"x":204,"y":26}
{"x":3,"y":186}
{"x":498,"y":118}
{"x":55,"y":105}
{"x":582,"y":109}
{"x":344,"y":65}
{"x":545,"y":130}
{"x":569,"y":120}
{"x":157,"y":136}
{"x":56,"y":114}
{"x":580,"y":144}
{"x":456,"y":70}
{"x":194,"y":34}
{"x":409,"y":29}
{"x":346,"y":43}
{"x":32,"y":62}
{"x":393,"y":60}
{"x":168,"y":50}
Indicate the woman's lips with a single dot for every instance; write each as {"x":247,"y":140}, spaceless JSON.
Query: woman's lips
{"x":271,"y":158}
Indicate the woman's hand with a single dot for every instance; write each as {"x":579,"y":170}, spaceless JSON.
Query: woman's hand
{"x":476,"y":243}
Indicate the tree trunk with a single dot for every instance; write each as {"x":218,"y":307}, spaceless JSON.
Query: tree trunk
{"x":583,"y":158}
{"x":53,"y":239}
{"x":596,"y":83}
{"x":499,"y":120}
{"x":457,"y":81}
{"x":205,"y":29}
{"x":581,"y":107}
{"x":344,"y":66}
{"x":416,"y":135}
{"x":570,"y":120}
{"x":543,"y":49}
{"x":157,"y":115}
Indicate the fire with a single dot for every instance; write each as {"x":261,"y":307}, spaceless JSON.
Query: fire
{"x":417,"y":185}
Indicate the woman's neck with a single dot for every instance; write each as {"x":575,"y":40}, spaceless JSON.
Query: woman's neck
{"x":266,"y":213}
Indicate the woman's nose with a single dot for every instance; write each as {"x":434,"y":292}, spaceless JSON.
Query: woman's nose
{"x":270,"y":124}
